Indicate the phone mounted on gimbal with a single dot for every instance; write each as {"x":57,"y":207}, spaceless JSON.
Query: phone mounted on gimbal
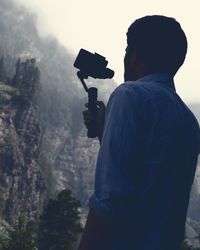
{"x":92,"y":65}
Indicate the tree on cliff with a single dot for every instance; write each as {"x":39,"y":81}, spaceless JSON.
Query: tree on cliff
{"x":27,"y":78}
{"x":20,"y":238}
{"x":2,"y":70}
{"x":60,"y":223}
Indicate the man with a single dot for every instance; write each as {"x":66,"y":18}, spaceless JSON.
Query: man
{"x":149,"y":148}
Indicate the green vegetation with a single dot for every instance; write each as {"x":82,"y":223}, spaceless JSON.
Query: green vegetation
{"x":27,"y":78}
{"x":7,"y":88}
{"x":19,"y":238}
{"x":60,"y":223}
{"x":59,"y":227}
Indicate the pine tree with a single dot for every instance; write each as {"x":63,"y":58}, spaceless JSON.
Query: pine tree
{"x":60,"y":223}
{"x":21,"y":238}
{"x":2,"y":70}
{"x":18,"y":74}
{"x":27,"y":78}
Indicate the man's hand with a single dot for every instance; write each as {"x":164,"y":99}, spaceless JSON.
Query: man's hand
{"x":88,"y":119}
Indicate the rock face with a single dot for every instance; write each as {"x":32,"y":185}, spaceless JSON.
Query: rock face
{"x":67,"y":156}
{"x":21,"y":183}
{"x":76,"y":161}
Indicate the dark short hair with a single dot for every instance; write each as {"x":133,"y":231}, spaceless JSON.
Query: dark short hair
{"x":160,"y":41}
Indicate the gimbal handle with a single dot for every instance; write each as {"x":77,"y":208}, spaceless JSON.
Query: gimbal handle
{"x":92,"y":105}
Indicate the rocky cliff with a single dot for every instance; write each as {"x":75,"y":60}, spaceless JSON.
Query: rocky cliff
{"x":21,"y":183}
{"x":67,"y":156}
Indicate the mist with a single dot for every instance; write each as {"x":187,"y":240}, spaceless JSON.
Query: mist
{"x":101,"y":27}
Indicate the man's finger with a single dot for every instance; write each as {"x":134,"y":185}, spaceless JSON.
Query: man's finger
{"x":87,"y":118}
{"x":85,"y":112}
{"x":101,"y":105}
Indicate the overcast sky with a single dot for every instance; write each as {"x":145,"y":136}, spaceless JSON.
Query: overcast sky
{"x":101,"y":25}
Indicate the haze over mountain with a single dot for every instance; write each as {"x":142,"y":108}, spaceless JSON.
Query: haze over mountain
{"x":66,"y":153}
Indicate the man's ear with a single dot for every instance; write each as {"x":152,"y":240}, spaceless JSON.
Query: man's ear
{"x":134,"y":57}
{"x":136,"y":61}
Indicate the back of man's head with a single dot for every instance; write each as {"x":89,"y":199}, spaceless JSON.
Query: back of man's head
{"x":160,"y":42}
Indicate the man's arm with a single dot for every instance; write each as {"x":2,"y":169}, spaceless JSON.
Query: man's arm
{"x":97,"y":233}
{"x":117,"y":156}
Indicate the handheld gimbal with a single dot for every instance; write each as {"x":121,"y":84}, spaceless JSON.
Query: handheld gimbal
{"x":93,"y":65}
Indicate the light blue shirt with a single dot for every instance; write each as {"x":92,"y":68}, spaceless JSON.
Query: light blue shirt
{"x":146,"y":165}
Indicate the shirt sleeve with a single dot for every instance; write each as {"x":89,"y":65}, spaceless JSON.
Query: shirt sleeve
{"x":118,"y":169}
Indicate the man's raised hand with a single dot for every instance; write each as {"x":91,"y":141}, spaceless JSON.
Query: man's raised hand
{"x":88,"y":119}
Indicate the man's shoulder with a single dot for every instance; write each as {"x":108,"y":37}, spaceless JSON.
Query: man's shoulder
{"x":125,"y":95}
{"x":130,"y":85}
{"x":128,"y":89}
{"x":149,"y":91}
{"x":134,"y":92}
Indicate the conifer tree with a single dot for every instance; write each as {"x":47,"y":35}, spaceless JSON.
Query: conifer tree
{"x":2,"y":70}
{"x":27,"y":78}
{"x":21,"y":238}
{"x":60,"y":223}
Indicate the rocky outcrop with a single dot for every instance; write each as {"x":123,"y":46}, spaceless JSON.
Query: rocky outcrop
{"x":68,"y":156}
{"x":21,"y":182}
{"x":191,"y":236}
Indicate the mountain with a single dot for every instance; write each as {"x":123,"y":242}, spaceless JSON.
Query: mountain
{"x":22,"y":184}
{"x":194,"y":212}
{"x":67,"y":157}
{"x":193,"y":216}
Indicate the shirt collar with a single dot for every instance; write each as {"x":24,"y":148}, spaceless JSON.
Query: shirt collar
{"x":163,"y":78}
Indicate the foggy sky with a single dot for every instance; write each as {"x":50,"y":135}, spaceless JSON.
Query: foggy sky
{"x":101,"y":26}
